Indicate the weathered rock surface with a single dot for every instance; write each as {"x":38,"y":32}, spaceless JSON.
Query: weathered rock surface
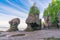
{"x":35,"y":35}
{"x":14,"y":24}
{"x":48,"y":23}
{"x":33,"y":21}
{"x":58,"y":15}
{"x":58,"y":18}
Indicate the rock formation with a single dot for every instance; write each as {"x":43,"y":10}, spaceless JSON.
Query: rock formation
{"x":47,"y":22}
{"x":32,"y":21}
{"x":58,"y":18}
{"x":51,"y":11}
{"x":14,"y":24}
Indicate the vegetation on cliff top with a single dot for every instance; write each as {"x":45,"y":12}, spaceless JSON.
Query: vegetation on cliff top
{"x":34,"y":10}
{"x":52,"y":10}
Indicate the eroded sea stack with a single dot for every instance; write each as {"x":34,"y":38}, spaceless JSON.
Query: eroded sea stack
{"x":14,"y":24}
{"x":33,"y":21}
{"x":58,"y":19}
{"x":52,"y":15}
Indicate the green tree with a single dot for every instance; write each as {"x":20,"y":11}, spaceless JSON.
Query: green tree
{"x":52,"y":10}
{"x":34,"y":10}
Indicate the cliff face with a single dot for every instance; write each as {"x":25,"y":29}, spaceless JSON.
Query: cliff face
{"x":32,"y":21}
{"x":31,"y":18}
{"x":52,"y":11}
{"x":50,"y":24}
{"x":58,"y":18}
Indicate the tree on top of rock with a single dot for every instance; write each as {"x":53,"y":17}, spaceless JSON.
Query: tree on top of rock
{"x":52,"y":10}
{"x":34,"y":10}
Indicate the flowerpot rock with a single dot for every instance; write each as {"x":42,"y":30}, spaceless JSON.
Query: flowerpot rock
{"x":14,"y":24}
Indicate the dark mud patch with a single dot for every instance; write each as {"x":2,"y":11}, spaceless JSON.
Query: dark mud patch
{"x":18,"y":35}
